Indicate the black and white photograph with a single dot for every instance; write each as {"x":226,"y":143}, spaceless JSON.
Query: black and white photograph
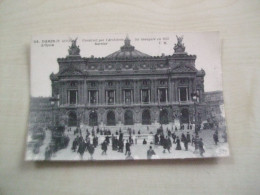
{"x":128,"y":96}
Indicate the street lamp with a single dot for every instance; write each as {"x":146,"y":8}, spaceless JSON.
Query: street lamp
{"x":195,"y":96}
{"x":53,"y":100}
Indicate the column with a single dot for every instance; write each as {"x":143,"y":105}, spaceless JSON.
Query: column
{"x":141,"y":96}
{"x":84,"y":92}
{"x":170,"y":91}
{"x":114,"y":96}
{"x":166,"y":95}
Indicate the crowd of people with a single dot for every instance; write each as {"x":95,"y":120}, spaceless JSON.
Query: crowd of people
{"x":166,"y":139}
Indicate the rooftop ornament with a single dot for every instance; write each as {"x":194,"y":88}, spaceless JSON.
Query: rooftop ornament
{"x":179,"y":47}
{"x":74,"y":49}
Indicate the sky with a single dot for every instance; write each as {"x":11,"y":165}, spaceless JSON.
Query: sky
{"x":45,"y":49}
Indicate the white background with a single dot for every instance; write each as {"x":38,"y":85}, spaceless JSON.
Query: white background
{"x":238,"y":23}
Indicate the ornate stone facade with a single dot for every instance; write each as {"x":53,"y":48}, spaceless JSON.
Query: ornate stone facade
{"x":128,"y":87}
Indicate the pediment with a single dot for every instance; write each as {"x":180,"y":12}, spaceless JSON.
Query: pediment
{"x":184,"y":68}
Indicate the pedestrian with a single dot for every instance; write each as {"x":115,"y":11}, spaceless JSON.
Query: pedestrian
{"x":74,"y":144}
{"x":201,"y":148}
{"x":107,"y":140}
{"x":169,"y":144}
{"x":48,"y":153}
{"x":174,"y":138}
{"x":120,"y":146}
{"x":81,"y":149}
{"x":156,"y":139}
{"x":150,"y":153}
{"x":120,"y":136}
{"x":144,"y":142}
{"x":192,"y":140}
{"x":183,"y":137}
{"x":127,"y":147}
{"x":91,"y":150}
{"x":104,"y":148}
{"x":161,"y":139}
{"x":139,"y":132}
{"x":185,"y":142}
{"x":215,"y":138}
{"x":95,"y":141}
{"x":188,"y":137}
{"x":178,"y":146}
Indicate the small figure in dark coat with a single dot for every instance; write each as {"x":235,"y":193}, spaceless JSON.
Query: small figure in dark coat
{"x":81,"y":149}
{"x":120,"y":136}
{"x":161,"y":139}
{"x":188,"y":137}
{"x":91,"y":149}
{"x":156,"y":139}
{"x":185,"y":142}
{"x":192,"y":140}
{"x":150,"y":153}
{"x":174,"y":138}
{"x":48,"y":153}
{"x":178,"y":142}
{"x":183,"y":137}
{"x":104,"y":148}
{"x":120,"y":146}
{"x":201,"y":148}
{"x":74,"y":144}
{"x":116,"y":132}
{"x":95,"y":141}
{"x":167,"y":144}
{"x":215,"y":138}
{"x":144,"y":142}
{"x":107,"y":140}
{"x":139,"y":132}
{"x":127,"y":147}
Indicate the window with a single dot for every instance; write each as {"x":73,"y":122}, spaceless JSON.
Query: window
{"x":72,"y":96}
{"x":183,"y":94}
{"x":145,"y":95}
{"x":162,"y":95}
{"x":162,"y":82}
{"x":93,"y":96}
{"x":110,"y":96}
{"x":145,"y":82}
{"x":127,"y":94}
{"x":93,"y":84}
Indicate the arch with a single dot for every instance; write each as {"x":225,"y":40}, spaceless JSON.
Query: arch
{"x":146,"y":117}
{"x":128,"y":117}
{"x":72,"y":119}
{"x":184,"y":115}
{"x":163,"y":118}
{"x":111,"y":119}
{"x":93,"y":118}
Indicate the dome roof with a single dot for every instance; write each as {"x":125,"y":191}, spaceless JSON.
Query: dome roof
{"x":127,"y":51}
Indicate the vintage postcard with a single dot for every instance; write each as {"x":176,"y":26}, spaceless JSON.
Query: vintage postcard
{"x":131,"y":96}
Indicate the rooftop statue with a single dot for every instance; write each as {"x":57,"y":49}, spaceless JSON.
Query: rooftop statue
{"x":179,"y":47}
{"x":74,"y":49}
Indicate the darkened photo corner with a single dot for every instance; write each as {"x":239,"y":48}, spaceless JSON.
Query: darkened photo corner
{"x":120,"y":103}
